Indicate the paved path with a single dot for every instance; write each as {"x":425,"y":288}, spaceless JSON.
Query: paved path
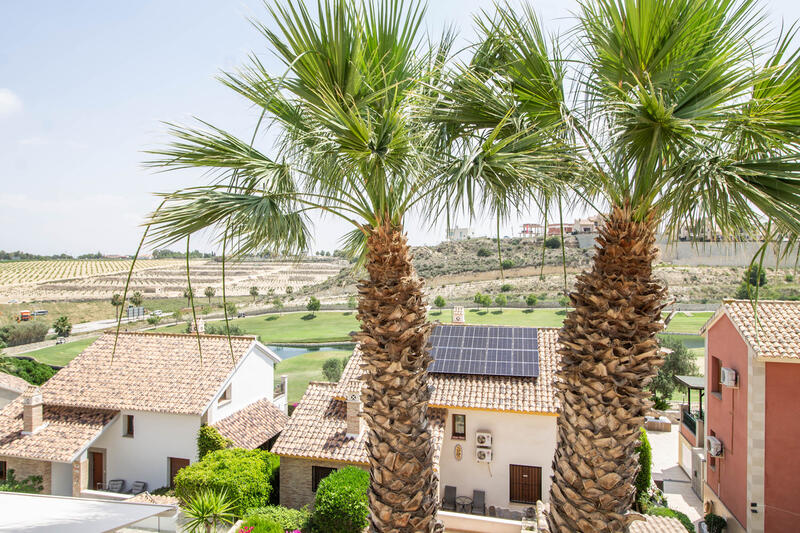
{"x":677,"y":486}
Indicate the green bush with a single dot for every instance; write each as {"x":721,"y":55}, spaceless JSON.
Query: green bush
{"x":29,"y":485}
{"x":756,"y":275}
{"x":484,"y":252}
{"x":715,"y":523}
{"x":507,"y":263}
{"x":23,"y":333}
{"x":33,"y":372}
{"x":506,"y":287}
{"x":233,"y":329}
{"x":246,"y":475}
{"x":288,"y":519}
{"x":209,"y":440}
{"x":262,"y":524}
{"x":530,"y":300}
{"x":62,"y":326}
{"x":672,"y":513}
{"x":789,"y":278}
{"x":642,"y":482}
{"x":341,"y":504}
{"x":332,"y":369}
{"x":554,"y":243}
{"x":439,"y":302}
{"x":660,"y":404}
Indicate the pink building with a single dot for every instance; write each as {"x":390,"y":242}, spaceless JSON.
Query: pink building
{"x":752,"y":427}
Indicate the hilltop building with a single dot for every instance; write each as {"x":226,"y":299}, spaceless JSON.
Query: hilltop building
{"x":460,"y":234}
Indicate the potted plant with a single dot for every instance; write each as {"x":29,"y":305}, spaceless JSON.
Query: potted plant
{"x":715,"y":523}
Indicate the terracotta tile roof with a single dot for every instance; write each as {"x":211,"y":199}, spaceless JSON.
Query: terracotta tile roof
{"x":254,"y":425}
{"x":12,"y":383}
{"x":149,"y":372}
{"x":66,"y":431}
{"x":657,"y":524}
{"x":497,"y":393}
{"x":318,"y":429}
{"x":777,"y":334}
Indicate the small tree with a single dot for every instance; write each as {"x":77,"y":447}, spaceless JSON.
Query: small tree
{"x":210,"y":292}
{"x":188,"y":294}
{"x":230,"y":308}
{"x":352,"y":303}
{"x":62,"y":326}
{"x":486,"y":300}
{"x":289,"y":289}
{"x":313,"y":305}
{"x":678,"y":361}
{"x":506,"y":287}
{"x":277,"y":303}
{"x":341,"y":504}
{"x":642,"y":482}
{"x":153,"y":320}
{"x":484,"y":252}
{"x":478,"y":298}
{"x":137,"y":299}
{"x":501,"y":300}
{"x":332,"y":369}
{"x":530,"y":300}
{"x":554,"y":243}
{"x":439,"y":302}
{"x":756,"y":276}
{"x":116,"y":301}
{"x":254,"y":292}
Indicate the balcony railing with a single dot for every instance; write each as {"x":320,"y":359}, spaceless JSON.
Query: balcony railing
{"x":690,"y":419}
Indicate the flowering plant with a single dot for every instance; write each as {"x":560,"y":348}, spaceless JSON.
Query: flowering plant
{"x":246,"y":529}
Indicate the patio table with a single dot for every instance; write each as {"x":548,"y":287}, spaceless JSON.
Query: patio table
{"x":463,"y":504}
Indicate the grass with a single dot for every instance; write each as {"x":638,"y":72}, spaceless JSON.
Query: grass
{"x":60,"y":354}
{"x":304,"y":368}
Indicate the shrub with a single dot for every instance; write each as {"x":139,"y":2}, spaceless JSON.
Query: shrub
{"x":554,"y":243}
{"x":246,"y":475}
{"x":672,"y":513}
{"x":530,"y":300}
{"x":642,"y":482}
{"x":332,"y":369}
{"x":439,"y":302}
{"x":230,"y":308}
{"x":756,"y":275}
{"x":313,"y":304}
{"x":233,"y":329}
{"x":501,"y":300}
{"x":352,"y":303}
{"x":341,"y":504}
{"x":563,"y":301}
{"x":288,"y":519}
{"x":207,"y":509}
{"x":261,"y":524}
{"x":209,"y":440}
{"x":29,"y":485}
{"x":25,"y":333}
{"x":484,"y":252}
{"x":507,"y":263}
{"x":789,"y":278}
{"x":660,"y":404}
{"x":33,"y":372}
{"x":715,"y":523}
{"x":506,"y":287}
{"x":153,"y":320}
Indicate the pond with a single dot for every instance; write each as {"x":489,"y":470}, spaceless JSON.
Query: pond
{"x":287,"y":352}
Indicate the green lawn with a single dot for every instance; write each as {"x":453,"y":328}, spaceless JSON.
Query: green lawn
{"x":304,"y":368}
{"x":60,"y":354}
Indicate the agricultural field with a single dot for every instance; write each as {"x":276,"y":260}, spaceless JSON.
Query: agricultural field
{"x":75,"y":280}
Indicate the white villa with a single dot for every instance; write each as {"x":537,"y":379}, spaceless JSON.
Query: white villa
{"x":492,"y":412}
{"x":133,"y":413}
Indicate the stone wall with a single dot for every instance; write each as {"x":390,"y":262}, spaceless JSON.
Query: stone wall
{"x":28,"y":467}
{"x":296,"y":479}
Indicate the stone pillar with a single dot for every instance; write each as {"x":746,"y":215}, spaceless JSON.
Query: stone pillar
{"x":32,"y":413}
{"x":80,"y":477}
{"x":355,"y":424}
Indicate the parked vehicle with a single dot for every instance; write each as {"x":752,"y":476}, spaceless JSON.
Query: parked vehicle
{"x":39,"y":312}
{"x":157,"y":312}
{"x":61,"y":340}
{"x":24,"y":316}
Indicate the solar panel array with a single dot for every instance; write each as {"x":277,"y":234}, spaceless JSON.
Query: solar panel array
{"x":485,"y":350}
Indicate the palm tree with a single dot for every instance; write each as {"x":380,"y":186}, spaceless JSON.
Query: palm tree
{"x":354,"y":141}
{"x":188,"y":293}
{"x":116,"y":301}
{"x":667,"y":113}
{"x":137,"y":299}
{"x":210,"y":292}
{"x":254,"y":292}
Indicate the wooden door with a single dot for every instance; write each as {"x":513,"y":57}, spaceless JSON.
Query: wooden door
{"x":175,"y":464}
{"x":97,"y":474}
{"x":526,"y":483}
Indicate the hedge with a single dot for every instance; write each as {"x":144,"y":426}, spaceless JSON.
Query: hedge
{"x":209,"y":440}
{"x":288,"y":519}
{"x":672,"y":513}
{"x":341,"y":504}
{"x":261,"y":524}
{"x":33,"y":372}
{"x":642,"y":482}
{"x":247,"y":476}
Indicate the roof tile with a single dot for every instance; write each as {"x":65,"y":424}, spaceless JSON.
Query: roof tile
{"x":777,"y":333}
{"x":254,"y":425}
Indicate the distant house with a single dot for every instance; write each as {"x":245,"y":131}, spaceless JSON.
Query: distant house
{"x":459,"y":234}
{"x":492,"y":416}
{"x":134,"y":414}
{"x":532,"y":230}
{"x":555,"y":230}
{"x":587,"y":225}
{"x":10,"y":388}
{"x":752,"y":427}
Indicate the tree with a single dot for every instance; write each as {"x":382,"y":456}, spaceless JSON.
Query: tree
{"x":332,"y":369}
{"x":289,"y":289}
{"x":530,"y":300}
{"x":354,"y":113}
{"x":554,"y":243}
{"x":352,"y":303}
{"x":439,"y":302}
{"x":230,"y":308}
{"x":137,"y":299}
{"x":116,"y":301}
{"x":277,"y":303}
{"x":189,"y":295}
{"x":756,"y":276}
{"x":254,"y":292}
{"x":506,"y":287}
{"x":678,"y":361}
{"x":210,"y":292}
{"x":645,"y":456}
{"x":478,"y":298}
{"x":669,"y":116}
{"x":500,"y":300}
{"x":62,"y":326}
{"x":313,"y":305}
{"x":486,"y":300}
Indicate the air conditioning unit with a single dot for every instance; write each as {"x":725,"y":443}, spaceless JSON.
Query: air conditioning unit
{"x":483,"y":439}
{"x":483,"y":455}
{"x":728,"y":377}
{"x":714,"y":446}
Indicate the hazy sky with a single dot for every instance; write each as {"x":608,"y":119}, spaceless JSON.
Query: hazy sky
{"x":84,"y":86}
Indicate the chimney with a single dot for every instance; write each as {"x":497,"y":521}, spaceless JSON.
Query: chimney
{"x":32,"y":417}
{"x":285,"y":391}
{"x":355,"y":424}
{"x":458,"y":314}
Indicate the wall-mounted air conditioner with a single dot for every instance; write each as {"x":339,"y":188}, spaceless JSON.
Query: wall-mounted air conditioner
{"x":483,"y":439}
{"x":483,"y":455}
{"x":714,"y":446}
{"x":728,"y":377}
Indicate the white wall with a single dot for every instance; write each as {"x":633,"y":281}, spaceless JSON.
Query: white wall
{"x":520,"y":439}
{"x":7,"y":396}
{"x":61,"y":479}
{"x":157,"y":436}
{"x":253,"y":380}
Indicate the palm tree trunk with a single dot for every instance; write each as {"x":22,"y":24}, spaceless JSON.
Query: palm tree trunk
{"x":394,"y":337}
{"x":609,"y":353}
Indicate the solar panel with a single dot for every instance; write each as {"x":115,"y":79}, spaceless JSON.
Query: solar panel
{"x":485,"y":350}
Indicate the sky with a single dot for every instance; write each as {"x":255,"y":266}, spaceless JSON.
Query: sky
{"x":85,"y":87}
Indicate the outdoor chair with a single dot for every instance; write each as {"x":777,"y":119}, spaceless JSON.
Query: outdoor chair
{"x":116,"y":485}
{"x":516,"y":515}
{"x":479,"y":502}
{"x":138,"y":487}
{"x":449,"y":501}
{"x":492,"y":511}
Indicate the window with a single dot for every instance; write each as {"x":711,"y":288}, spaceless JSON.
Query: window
{"x":127,"y":426}
{"x":3,"y":469}
{"x":225,"y":396}
{"x":525,"y":483}
{"x":715,"y":377}
{"x":459,"y":427}
{"x":318,"y":473}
